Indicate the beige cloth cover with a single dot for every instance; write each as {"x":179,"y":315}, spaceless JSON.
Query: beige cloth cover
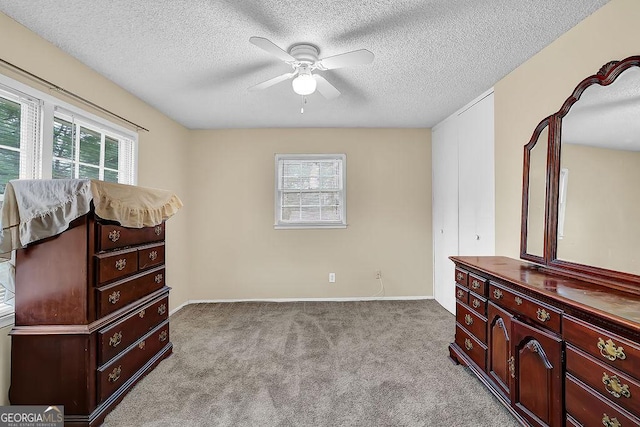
{"x":36,"y":209}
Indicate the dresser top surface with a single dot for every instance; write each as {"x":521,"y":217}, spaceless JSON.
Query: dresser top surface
{"x":613,"y":303}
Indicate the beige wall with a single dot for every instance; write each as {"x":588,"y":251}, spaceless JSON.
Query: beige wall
{"x":237,"y":253}
{"x":538,"y":88}
{"x":162,"y":150}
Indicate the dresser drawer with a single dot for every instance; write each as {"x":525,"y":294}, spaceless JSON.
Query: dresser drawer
{"x":592,"y":410}
{"x":114,"y":265}
{"x":150,"y":256}
{"x":115,"y":338}
{"x":571,"y":422}
{"x":472,"y":322}
{"x":462,"y":294}
{"x":477,"y":284}
{"x":115,"y":236}
{"x":114,"y":374}
{"x":476,"y":350}
{"x":124,"y":292}
{"x":541,"y":313}
{"x":461,"y":277}
{"x":603,"y":345}
{"x":611,"y":383}
{"x":478,"y":303}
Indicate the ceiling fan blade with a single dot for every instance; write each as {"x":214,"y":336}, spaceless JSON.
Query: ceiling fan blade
{"x":272,"y":48}
{"x":325,"y":88}
{"x":271,"y":82}
{"x":357,"y":57}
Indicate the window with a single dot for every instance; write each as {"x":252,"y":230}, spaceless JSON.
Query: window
{"x":84,"y":150}
{"x":44,"y":137}
{"x":19,"y":137}
{"x":310,"y":191}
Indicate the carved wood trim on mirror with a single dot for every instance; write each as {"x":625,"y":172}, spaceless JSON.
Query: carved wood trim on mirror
{"x":589,"y":221}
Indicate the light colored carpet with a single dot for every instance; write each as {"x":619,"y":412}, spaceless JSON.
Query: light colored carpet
{"x":374,"y":363}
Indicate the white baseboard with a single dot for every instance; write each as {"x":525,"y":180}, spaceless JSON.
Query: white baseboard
{"x":215,"y":301}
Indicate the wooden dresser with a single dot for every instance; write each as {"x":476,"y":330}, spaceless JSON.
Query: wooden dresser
{"x":91,"y":317}
{"x":554,"y":349}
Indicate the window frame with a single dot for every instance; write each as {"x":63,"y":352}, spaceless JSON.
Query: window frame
{"x":80,"y":122}
{"x":279,"y":224}
{"x":30,"y":147}
{"x":50,"y":106}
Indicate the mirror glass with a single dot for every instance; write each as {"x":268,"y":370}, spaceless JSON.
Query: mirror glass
{"x":598,"y":196}
{"x":537,"y":195}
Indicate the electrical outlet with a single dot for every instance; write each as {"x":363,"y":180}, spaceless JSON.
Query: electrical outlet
{"x":332,"y":277}
{"x":378,"y":274}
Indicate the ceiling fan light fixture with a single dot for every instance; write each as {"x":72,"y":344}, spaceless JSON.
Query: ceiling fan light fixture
{"x":304,"y":84}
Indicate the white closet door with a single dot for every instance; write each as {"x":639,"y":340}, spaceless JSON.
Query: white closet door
{"x":476,"y":188}
{"x":444,"y":140}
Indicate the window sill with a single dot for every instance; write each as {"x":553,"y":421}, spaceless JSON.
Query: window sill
{"x":307,"y":226}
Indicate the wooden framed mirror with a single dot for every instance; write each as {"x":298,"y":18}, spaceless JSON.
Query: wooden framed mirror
{"x":591,"y":199}
{"x":534,"y":194}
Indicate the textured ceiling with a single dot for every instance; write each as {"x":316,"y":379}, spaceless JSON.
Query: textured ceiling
{"x":193,"y":61}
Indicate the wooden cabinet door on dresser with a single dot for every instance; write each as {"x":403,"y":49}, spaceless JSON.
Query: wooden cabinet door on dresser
{"x":537,"y":382}
{"x":498,"y":363}
{"x":91,"y":317}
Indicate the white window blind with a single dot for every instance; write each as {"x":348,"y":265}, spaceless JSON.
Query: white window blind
{"x":20,"y":142}
{"x":310,"y":190}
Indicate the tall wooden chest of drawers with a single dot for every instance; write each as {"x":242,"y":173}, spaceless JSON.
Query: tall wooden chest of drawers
{"x":91,"y":317}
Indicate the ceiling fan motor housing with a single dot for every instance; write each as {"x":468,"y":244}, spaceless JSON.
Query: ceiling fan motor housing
{"x":305,"y":53}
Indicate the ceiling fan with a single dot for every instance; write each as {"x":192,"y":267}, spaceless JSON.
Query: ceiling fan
{"x":303,"y":58}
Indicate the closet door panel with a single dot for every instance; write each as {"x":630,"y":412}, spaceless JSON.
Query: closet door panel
{"x":476,"y":179}
{"x":445,"y":211}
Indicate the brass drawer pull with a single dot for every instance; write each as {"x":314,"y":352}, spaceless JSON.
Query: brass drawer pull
{"x":468,"y":319}
{"x":121,"y":264}
{"x":141,"y":314}
{"x":158,"y":278}
{"x":460,"y":293}
{"x":114,"y":235}
{"x":518,"y":300}
{"x":115,"y":374}
{"x":497,"y":294}
{"x":116,"y":339}
{"x":468,"y":344}
{"x":613,"y":386}
{"x":475,"y":284}
{"x":162,"y":309}
{"x":610,"y":351}
{"x":475,"y":303}
{"x":114,"y":297}
{"x":512,"y":366}
{"x":163,"y":336}
{"x":543,"y":316}
{"x":153,"y":255}
{"x":141,"y":345}
{"x":460,"y":276}
{"x":610,"y":422}
{"x":157,"y":230}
